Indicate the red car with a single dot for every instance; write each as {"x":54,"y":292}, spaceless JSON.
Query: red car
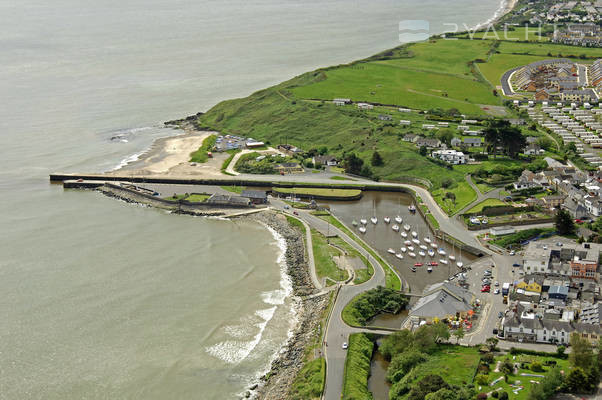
{"x":433,"y":263}
{"x":485,"y":289}
{"x":418,"y":265}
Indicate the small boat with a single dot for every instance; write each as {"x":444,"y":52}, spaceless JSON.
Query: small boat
{"x":423,"y":247}
{"x":415,"y":241}
{"x":374,"y":220}
{"x":398,"y":219}
{"x":407,"y":227}
{"x":427,"y":239}
{"x":429,"y":269}
{"x":411,"y":248}
{"x":363,"y":221}
{"x":413,"y":269}
{"x":418,"y":264}
{"x":442,"y":261}
{"x":433,"y":263}
{"x":403,"y":249}
{"x":441,"y":251}
{"x":422,"y":253}
{"x":407,"y":243}
{"x":415,"y":234}
{"x":412,"y":254}
{"x":412,"y":208}
{"x":452,"y":257}
{"x":362,"y":229}
{"x":398,"y":255}
{"x":395,"y":228}
{"x":431,"y":252}
{"x":460,"y":264}
{"x":387,"y":220}
{"x":354,"y":223}
{"x":434,"y":245}
{"x":405,"y":235}
{"x":390,"y":250}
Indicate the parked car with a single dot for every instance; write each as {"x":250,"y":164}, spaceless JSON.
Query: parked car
{"x":295,"y":212}
{"x":485,"y":289}
{"x":496,"y":291}
{"x":516,"y":265}
{"x":345,"y":346}
{"x":500,"y":314}
{"x":286,"y":207}
{"x":512,"y":252}
{"x":495,"y":331}
{"x":497,"y":283}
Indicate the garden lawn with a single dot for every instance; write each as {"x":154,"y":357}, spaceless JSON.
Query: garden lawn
{"x":197,"y":197}
{"x":361,"y":275}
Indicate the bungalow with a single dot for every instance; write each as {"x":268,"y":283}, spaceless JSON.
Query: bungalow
{"x":456,"y":142}
{"x":410,"y":137}
{"x":533,"y":149}
{"x":341,"y":102}
{"x":427,"y":142}
{"x":365,"y":106}
{"x":405,"y":122}
{"x":256,"y":196}
{"x":328,"y":160}
{"x":472,"y":142}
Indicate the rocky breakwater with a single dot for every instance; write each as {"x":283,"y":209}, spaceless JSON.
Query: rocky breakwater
{"x":276,"y":384}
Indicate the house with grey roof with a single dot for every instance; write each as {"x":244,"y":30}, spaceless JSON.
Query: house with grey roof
{"x":442,"y":300}
{"x":472,"y":142}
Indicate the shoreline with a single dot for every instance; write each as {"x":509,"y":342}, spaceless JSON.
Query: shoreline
{"x":276,"y":380}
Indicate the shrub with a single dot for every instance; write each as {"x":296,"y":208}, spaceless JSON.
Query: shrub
{"x":495,"y":395}
{"x":482,"y":380}
{"x":536,"y":367}
{"x":503,"y":396}
{"x":481,"y":396}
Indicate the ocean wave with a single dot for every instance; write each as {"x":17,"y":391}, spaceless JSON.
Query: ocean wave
{"x":235,"y":351}
{"x":497,"y":14}
{"x":129,"y":159}
{"x":278,"y":296}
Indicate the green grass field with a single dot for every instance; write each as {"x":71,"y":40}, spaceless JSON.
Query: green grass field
{"x":485,"y":203}
{"x":325,"y":266}
{"x":464,"y":193}
{"x":309,"y":383}
{"x":197,"y":197}
{"x":200,"y":156}
{"x":342,"y":193}
{"x":525,"y":381}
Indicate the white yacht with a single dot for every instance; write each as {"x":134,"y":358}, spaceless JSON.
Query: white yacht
{"x":414,"y":233}
{"x":374,"y":220}
{"x":411,"y":248}
{"x":416,"y":241}
{"x":441,"y":251}
{"x":395,"y":228}
{"x":460,"y":264}
{"x":407,"y":243}
{"x":434,"y":245}
{"x":405,"y":235}
{"x":442,"y":261}
{"x":403,"y":249}
{"x":398,"y":219}
{"x":452,"y":257}
{"x":431,"y":252}
{"x":423,"y":247}
{"x":363,"y":221}
{"x":412,"y":254}
{"x":387,"y":220}
{"x":398,"y":255}
{"x":427,"y":239}
{"x":390,"y":250}
{"x":362,"y":229}
{"x":422,"y":253}
{"x":407,"y":227}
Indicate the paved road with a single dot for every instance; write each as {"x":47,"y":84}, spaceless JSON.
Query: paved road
{"x":506,"y":87}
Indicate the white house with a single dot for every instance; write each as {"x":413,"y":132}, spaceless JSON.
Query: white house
{"x":450,"y":156}
{"x":365,"y":106}
{"x":405,"y":122}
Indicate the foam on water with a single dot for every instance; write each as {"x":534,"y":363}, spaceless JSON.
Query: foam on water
{"x":235,"y":351}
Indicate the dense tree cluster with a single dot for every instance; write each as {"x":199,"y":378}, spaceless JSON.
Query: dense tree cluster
{"x":376,"y":301}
